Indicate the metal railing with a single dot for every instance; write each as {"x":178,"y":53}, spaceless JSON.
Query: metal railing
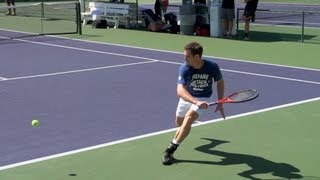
{"x":272,"y":25}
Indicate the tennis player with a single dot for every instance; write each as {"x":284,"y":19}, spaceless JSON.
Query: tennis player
{"x":196,"y":78}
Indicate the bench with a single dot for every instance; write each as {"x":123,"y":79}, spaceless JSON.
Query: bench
{"x":113,"y":12}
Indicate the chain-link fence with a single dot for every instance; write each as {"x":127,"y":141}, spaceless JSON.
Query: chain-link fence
{"x":40,"y":18}
{"x":283,"y":25}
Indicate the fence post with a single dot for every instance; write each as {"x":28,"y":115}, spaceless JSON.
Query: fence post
{"x":237,"y":30}
{"x":302,"y":31}
{"x":234,"y":31}
{"x":78,"y":16}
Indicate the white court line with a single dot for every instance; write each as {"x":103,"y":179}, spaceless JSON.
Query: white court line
{"x":257,"y":74}
{"x":87,"y":50}
{"x":2,"y":78}
{"x":174,"y":52}
{"x":138,"y":57}
{"x":149,"y":59}
{"x":270,"y":76}
{"x":155,"y":133}
{"x":77,"y":71}
{"x":157,"y":50}
{"x":151,"y":134}
{"x":152,"y":61}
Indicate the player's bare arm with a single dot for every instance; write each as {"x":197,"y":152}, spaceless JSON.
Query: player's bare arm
{"x":220,"y":88}
{"x":185,"y":95}
{"x":220,"y":92}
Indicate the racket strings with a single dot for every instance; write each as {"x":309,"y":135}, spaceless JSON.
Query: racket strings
{"x":244,"y":96}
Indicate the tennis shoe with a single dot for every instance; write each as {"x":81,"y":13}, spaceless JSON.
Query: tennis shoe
{"x":246,"y":37}
{"x":224,"y":36}
{"x":229,"y":36}
{"x":167,"y":158}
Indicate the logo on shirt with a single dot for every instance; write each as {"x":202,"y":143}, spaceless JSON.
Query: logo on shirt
{"x":199,"y":82}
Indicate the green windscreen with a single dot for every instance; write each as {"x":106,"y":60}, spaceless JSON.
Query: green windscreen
{"x":40,"y":18}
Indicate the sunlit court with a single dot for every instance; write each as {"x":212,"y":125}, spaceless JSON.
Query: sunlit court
{"x":92,"y":107}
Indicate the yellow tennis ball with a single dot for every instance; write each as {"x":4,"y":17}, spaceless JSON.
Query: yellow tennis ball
{"x":35,"y":123}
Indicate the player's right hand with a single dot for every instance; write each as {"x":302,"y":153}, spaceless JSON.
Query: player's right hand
{"x":202,"y":104}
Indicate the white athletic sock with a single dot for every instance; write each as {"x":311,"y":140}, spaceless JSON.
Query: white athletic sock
{"x":174,"y":141}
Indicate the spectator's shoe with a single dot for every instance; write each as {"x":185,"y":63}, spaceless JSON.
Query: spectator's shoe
{"x":246,"y":37}
{"x":226,"y":36}
{"x":13,"y":14}
{"x":167,"y":158}
{"x":8,"y":13}
{"x":229,"y":36}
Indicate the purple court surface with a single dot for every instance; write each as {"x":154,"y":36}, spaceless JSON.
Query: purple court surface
{"x":86,"y":93}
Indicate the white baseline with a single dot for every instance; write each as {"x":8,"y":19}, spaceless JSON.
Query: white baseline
{"x":149,"y":60}
{"x":143,"y":58}
{"x":76,"y":71}
{"x":150,"y":134}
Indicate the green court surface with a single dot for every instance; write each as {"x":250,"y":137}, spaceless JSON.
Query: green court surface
{"x":38,"y":26}
{"x":279,"y":144}
{"x":276,"y":144}
{"x":265,"y":33}
{"x":276,"y":52}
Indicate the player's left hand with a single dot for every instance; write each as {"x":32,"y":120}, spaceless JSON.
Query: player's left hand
{"x":221,"y":109}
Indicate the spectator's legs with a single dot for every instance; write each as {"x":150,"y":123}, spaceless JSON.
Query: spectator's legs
{"x":230,"y":28}
{"x":247,"y":26}
{"x":224,"y":27}
{"x":9,"y":9}
{"x":246,"y":29}
{"x":14,"y":9}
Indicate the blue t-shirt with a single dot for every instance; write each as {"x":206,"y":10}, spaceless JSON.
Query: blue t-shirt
{"x":198,"y":82}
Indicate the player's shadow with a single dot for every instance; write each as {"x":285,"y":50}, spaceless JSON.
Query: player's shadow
{"x":258,"y":165}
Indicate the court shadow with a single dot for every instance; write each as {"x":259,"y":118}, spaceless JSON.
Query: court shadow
{"x":86,"y":36}
{"x":258,"y":165}
{"x":25,"y":38}
{"x":259,"y":36}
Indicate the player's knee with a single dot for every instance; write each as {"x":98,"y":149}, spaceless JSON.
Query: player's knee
{"x":179,"y":121}
{"x":191,"y":117}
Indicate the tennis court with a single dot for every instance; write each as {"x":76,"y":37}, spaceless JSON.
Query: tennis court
{"x":106,"y":110}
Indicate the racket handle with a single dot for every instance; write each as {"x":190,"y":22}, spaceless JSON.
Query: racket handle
{"x":212,"y":103}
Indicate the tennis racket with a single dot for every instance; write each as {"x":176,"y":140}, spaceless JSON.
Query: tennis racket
{"x":238,"y":97}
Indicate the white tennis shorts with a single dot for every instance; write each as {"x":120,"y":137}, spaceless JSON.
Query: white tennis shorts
{"x":184,"y":106}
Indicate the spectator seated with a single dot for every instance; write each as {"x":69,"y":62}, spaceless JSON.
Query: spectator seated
{"x":154,"y":23}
